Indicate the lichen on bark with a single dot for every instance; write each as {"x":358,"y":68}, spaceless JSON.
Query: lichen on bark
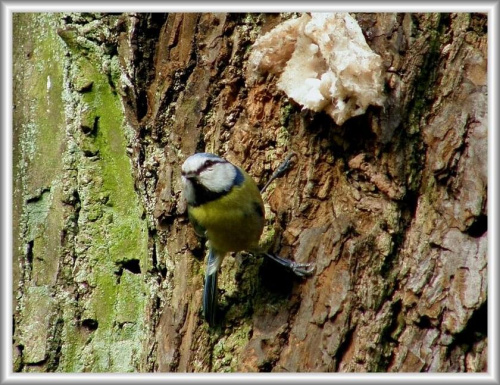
{"x":86,"y":240}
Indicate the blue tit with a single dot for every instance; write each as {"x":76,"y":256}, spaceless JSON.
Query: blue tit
{"x":225,"y":206}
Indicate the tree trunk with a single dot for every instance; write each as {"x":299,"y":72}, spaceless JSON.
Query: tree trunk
{"x":391,"y":206}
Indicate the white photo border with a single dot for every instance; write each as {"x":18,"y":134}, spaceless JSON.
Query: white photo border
{"x":7,"y":8}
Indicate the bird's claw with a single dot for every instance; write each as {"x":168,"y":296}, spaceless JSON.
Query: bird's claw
{"x":299,"y":269}
{"x":303,"y":269}
{"x":285,"y":165}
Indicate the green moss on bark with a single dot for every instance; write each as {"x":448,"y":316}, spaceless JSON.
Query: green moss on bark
{"x":112,"y":231}
{"x":78,"y":220}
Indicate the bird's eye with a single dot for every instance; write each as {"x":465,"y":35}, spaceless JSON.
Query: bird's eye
{"x":209,"y":165}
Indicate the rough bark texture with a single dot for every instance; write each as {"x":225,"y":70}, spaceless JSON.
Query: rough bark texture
{"x":391,"y":206}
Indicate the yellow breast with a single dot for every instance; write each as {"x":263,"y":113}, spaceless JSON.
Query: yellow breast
{"x":235,"y":221}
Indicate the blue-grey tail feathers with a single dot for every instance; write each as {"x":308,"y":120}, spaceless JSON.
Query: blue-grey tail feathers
{"x":210,"y":290}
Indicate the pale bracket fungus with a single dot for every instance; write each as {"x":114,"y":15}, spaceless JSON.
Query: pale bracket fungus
{"x":323,"y":63}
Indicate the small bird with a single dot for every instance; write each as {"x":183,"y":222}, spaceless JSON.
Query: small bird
{"x":226,"y":207}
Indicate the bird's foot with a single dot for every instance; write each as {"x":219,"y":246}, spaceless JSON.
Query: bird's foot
{"x":299,"y":269}
{"x":285,"y":165}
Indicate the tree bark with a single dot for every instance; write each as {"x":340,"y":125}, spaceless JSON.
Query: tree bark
{"x":391,"y":207}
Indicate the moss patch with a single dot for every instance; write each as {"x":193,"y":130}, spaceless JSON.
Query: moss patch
{"x":72,"y":139}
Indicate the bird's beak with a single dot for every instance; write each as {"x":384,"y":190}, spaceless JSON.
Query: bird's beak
{"x":189,"y":175}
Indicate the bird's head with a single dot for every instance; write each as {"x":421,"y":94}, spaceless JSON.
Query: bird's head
{"x":206,"y":177}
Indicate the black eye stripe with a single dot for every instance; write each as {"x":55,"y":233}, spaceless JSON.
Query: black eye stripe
{"x":208,"y":163}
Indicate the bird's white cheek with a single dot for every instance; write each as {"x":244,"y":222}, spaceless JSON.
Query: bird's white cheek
{"x":219,"y":181}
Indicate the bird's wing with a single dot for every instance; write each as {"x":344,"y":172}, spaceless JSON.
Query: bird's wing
{"x":199,"y":229}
